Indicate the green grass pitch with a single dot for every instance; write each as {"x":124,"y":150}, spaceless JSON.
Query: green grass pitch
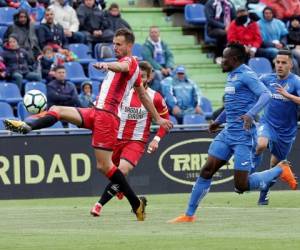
{"x":224,"y":221}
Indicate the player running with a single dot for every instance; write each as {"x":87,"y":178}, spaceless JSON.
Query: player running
{"x":278,"y":126}
{"x":133,"y":134}
{"x":245,"y":96}
{"x":103,"y":119}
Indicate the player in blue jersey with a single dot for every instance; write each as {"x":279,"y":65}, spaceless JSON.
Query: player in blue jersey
{"x":245,"y":96}
{"x":278,"y":126}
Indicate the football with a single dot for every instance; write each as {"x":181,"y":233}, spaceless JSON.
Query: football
{"x":35,"y":101}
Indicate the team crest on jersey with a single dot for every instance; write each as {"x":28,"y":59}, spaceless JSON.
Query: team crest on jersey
{"x":230,"y":90}
{"x":233,"y":78}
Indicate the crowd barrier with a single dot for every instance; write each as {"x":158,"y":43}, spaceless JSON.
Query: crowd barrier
{"x":40,"y":166}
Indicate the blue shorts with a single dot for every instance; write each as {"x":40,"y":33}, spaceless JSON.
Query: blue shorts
{"x":278,"y":146}
{"x":223,"y":148}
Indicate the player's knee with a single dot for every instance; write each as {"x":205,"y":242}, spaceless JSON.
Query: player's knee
{"x":207,"y":171}
{"x":261,"y":148}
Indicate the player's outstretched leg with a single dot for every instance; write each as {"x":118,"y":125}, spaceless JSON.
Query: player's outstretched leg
{"x":17,"y":126}
{"x":200,"y":189}
{"x":287,"y":175}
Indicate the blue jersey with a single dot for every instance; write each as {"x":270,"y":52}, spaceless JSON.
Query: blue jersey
{"x":281,"y":113}
{"x":241,"y":93}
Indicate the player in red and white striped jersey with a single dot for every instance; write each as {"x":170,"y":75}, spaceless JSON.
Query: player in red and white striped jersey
{"x":134,"y":133}
{"x":103,"y":119}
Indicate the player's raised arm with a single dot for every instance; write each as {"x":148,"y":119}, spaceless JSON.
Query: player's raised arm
{"x":113,"y":66}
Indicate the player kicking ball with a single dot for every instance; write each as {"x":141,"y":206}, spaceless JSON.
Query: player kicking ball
{"x":245,"y":96}
{"x":133,"y":134}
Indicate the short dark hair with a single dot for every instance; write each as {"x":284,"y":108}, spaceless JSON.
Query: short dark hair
{"x":285,"y":52}
{"x":268,"y":8}
{"x":239,"y":51}
{"x":59,"y":66}
{"x":145,"y":66}
{"x":113,"y":6}
{"x":128,"y":35}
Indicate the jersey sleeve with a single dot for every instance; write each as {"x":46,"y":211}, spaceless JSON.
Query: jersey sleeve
{"x":297,"y":86}
{"x":254,"y":84}
{"x":163,"y":111}
{"x":138,"y":81}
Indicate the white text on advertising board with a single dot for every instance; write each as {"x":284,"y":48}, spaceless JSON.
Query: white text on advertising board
{"x":182,"y":163}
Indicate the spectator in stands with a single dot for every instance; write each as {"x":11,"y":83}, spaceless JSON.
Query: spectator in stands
{"x":245,"y":31}
{"x":86,"y":96}
{"x":219,"y":14}
{"x":155,"y":81}
{"x":51,"y":34}
{"x":294,"y":37}
{"x":66,"y":16}
{"x":25,"y":32}
{"x":35,"y":10}
{"x":157,"y":53}
{"x":47,"y":61}
{"x":181,"y":94}
{"x":93,"y":24}
{"x":19,"y":65}
{"x":114,"y":18}
{"x":273,"y":32}
{"x":2,"y":69}
{"x":61,"y":92}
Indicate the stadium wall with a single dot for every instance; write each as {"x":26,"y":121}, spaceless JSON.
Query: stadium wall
{"x":64,"y":166}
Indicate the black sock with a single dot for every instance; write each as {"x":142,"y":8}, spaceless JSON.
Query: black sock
{"x":108,"y":193}
{"x":119,"y":178}
{"x":42,"y":122}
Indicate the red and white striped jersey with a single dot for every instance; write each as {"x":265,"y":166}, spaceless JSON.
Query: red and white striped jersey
{"x":116,"y":86}
{"x":135,"y":120}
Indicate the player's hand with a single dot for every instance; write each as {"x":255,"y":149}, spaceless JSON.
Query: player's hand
{"x":213,"y":127}
{"x":166,"y":124}
{"x":101,"y":66}
{"x":247,"y":122}
{"x":282,"y":91}
{"x":152,"y":147}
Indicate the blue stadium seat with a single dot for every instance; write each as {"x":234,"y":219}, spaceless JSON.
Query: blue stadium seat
{"x":104,"y":52}
{"x":207,"y":38}
{"x":83,"y":53}
{"x":96,"y":85}
{"x":206,"y":107}
{"x":9,"y":92}
{"x":75,"y":73}
{"x":2,"y":31}
{"x":7,"y":16}
{"x":96,"y":74}
{"x":36,"y":85}
{"x":2,"y":127}
{"x":194,"y":14}
{"x":260,"y":65}
{"x":6,"y":111}
{"x":173,"y":119}
{"x":22,"y":112}
{"x":194,"y":119}
{"x":137,"y":51}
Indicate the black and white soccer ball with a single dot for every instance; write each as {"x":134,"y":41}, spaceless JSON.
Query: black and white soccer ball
{"x":35,"y":101}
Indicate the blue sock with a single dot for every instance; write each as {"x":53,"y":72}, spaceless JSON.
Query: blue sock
{"x":256,"y":162}
{"x":262,"y":180}
{"x":200,"y":189}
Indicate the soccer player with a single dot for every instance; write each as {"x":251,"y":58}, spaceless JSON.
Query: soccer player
{"x":102,"y":119}
{"x":245,"y":96}
{"x":133,"y":134}
{"x":278,"y":126}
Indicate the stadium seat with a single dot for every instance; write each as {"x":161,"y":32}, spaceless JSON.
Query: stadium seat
{"x":6,"y":111}
{"x":7,"y":16}
{"x":207,"y":38}
{"x":194,"y":14}
{"x":82,"y":52}
{"x":137,"y":51}
{"x":2,"y":127}
{"x":178,"y":2}
{"x":104,"y":52}
{"x":36,"y":85}
{"x":22,"y":112}
{"x":260,"y":65}
{"x":194,"y":119}
{"x":2,"y":31}
{"x":96,"y":85}
{"x":75,"y":73}
{"x":173,"y":119}
{"x":9,"y":92}
{"x":96,"y":74}
{"x":206,"y":107}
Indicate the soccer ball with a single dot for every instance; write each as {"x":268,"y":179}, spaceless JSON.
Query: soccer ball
{"x":35,"y":101}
